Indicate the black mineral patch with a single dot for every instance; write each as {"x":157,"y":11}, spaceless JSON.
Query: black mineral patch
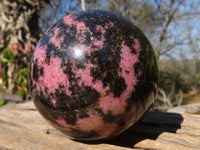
{"x":37,"y":72}
{"x":71,"y":118}
{"x":45,"y":40}
{"x":84,"y":135}
{"x":83,"y":97}
{"x":118,"y":87}
{"x":49,"y":49}
{"x":83,"y":114}
{"x":108,"y":117}
{"x":142,"y":92}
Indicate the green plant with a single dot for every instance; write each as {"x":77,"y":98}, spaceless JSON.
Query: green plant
{"x":7,"y":59}
{"x":2,"y":89}
{"x":8,"y":56}
{"x":2,"y":103}
{"x":22,"y":82}
{"x":198,"y":77}
{"x":8,"y":67}
{"x":171,"y":85}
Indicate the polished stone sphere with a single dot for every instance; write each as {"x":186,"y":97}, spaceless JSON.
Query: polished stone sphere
{"x":93,"y":75}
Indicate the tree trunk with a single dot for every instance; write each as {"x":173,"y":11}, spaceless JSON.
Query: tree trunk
{"x":83,"y":5}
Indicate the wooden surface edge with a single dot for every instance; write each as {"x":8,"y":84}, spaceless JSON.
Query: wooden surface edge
{"x":22,"y":127}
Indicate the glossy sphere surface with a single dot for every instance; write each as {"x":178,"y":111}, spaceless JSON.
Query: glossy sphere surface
{"x":93,"y":75}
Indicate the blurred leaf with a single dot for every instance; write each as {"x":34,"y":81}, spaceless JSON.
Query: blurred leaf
{"x":2,"y":103}
{"x":5,"y":60}
{"x":5,"y":79}
{"x":22,"y":81}
{"x":8,"y":56}
{"x":198,"y":77}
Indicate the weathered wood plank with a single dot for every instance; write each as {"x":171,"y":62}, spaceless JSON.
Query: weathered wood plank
{"x":189,"y":109}
{"x":21,"y":127}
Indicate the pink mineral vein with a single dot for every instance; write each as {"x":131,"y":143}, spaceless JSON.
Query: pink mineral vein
{"x":70,"y":20}
{"x":128,"y":60}
{"x":136,"y":46}
{"x":100,"y":29}
{"x":109,"y":25}
{"x":40,"y":55}
{"x":53,"y":100}
{"x":90,"y":123}
{"x":99,"y":43}
{"x":87,"y":79}
{"x":54,"y":37}
{"x":95,"y":123}
{"x":63,"y":123}
{"x":53,"y":77}
{"x":81,"y":39}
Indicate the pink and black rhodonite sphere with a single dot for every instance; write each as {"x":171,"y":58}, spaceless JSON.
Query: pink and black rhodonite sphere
{"x":93,"y":75}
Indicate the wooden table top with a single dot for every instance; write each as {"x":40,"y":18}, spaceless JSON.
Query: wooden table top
{"x":22,"y":128}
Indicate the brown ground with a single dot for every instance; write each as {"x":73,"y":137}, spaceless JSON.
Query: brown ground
{"x":192,"y":96}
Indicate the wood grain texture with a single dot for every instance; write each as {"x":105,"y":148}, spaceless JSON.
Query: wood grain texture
{"x":22,"y":128}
